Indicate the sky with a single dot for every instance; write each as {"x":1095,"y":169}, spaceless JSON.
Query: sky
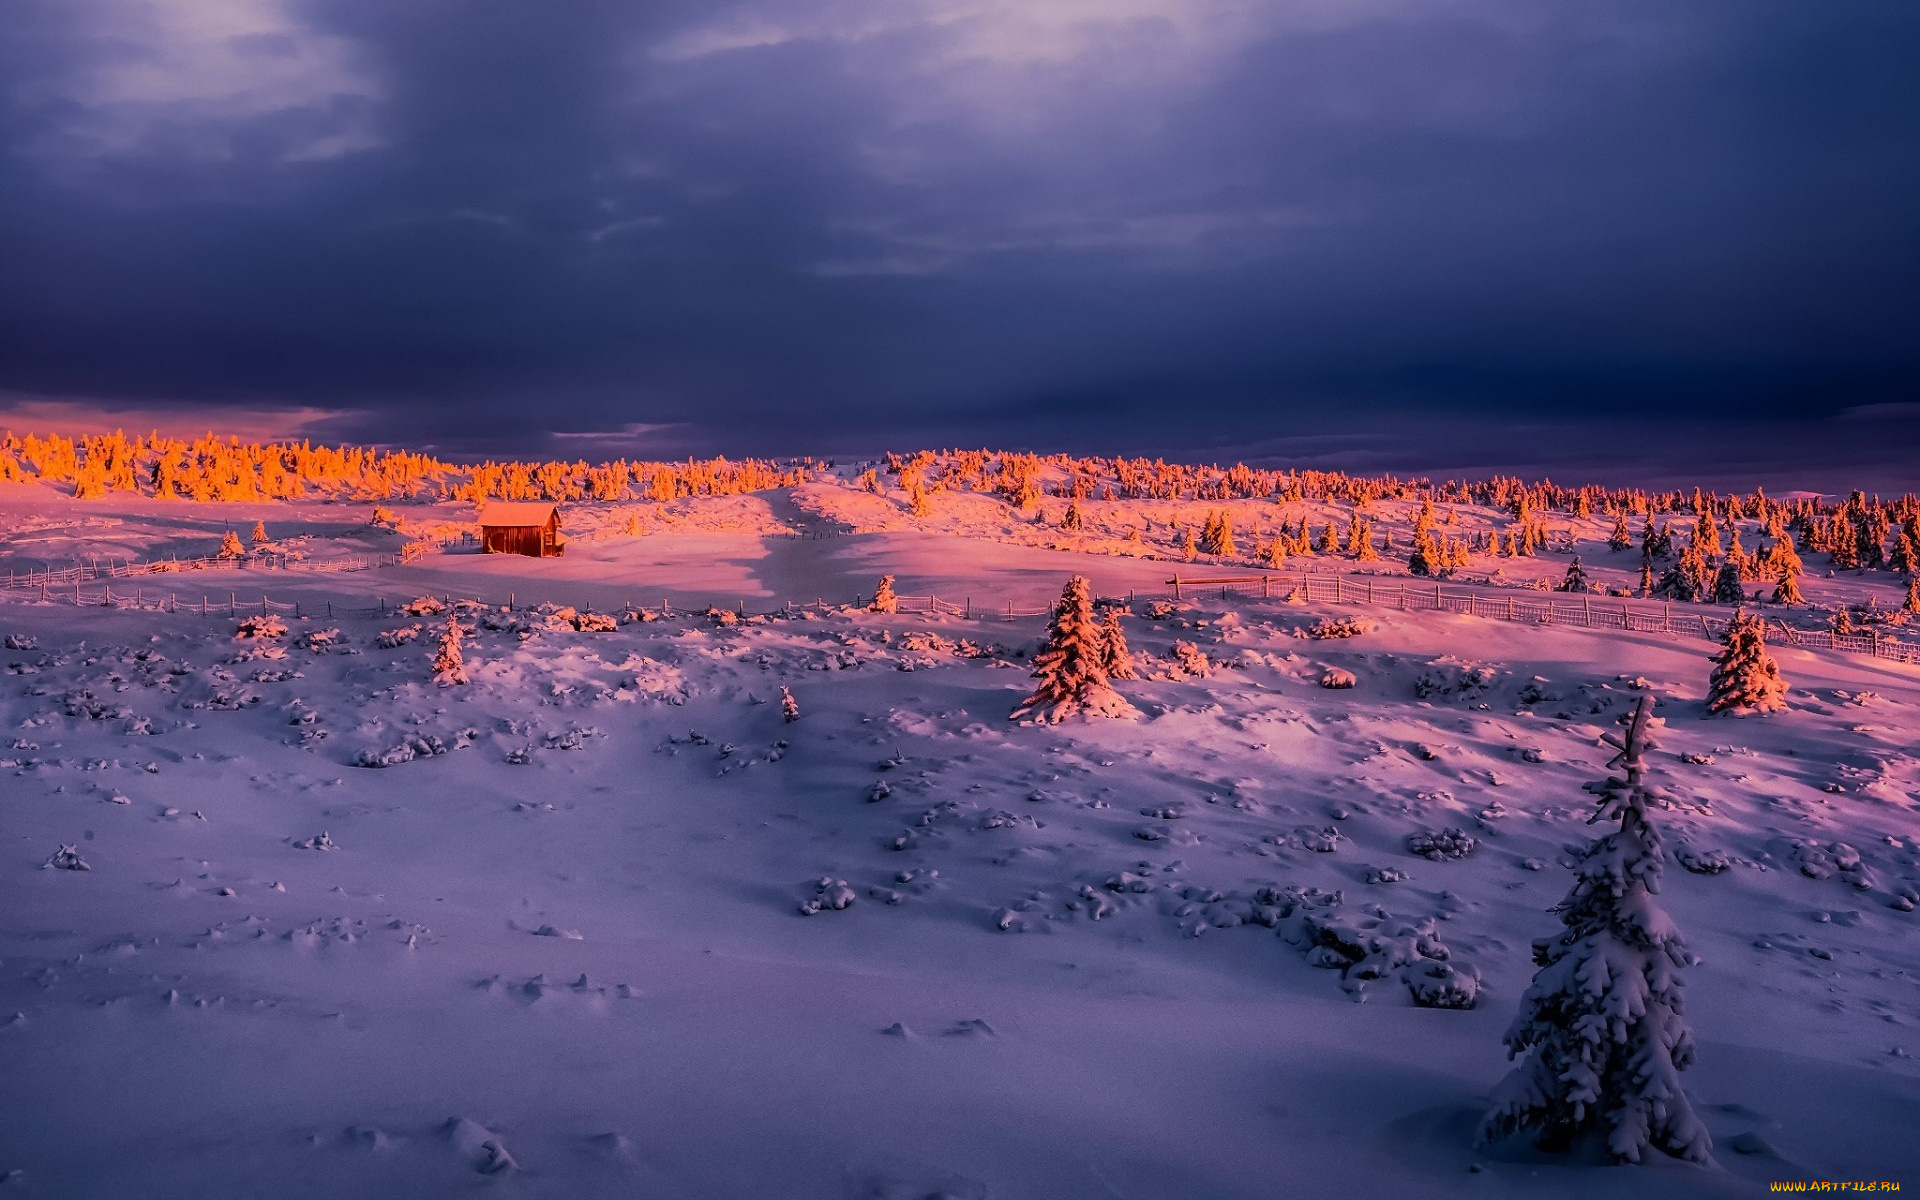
{"x":1624,"y":240}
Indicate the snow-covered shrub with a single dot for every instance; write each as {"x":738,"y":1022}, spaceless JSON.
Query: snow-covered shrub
{"x":1442,"y":985}
{"x":319,"y":640}
{"x":884,"y":601}
{"x":67,"y":858}
{"x":1191,"y":661}
{"x":723,"y":617}
{"x":1454,"y":679}
{"x":423,"y":606}
{"x":1745,"y":677}
{"x":1338,"y":679}
{"x":1339,"y":627}
{"x":1701,"y":862}
{"x":1438,"y":844}
{"x":20,"y":641}
{"x":596,"y":623}
{"x":789,"y":707}
{"x":829,"y":895}
{"x":449,"y":667}
{"x":261,"y":626}
{"x":1837,"y":858}
{"x":1160,"y":610}
{"x":1602,"y":1025}
{"x":393,"y":639}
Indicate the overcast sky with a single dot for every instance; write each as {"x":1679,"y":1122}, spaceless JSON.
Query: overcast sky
{"x":1409,"y":234}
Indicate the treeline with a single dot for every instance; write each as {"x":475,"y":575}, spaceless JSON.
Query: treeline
{"x":216,"y":469}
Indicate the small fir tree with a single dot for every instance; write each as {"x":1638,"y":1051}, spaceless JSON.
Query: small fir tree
{"x":260,"y":533}
{"x":1072,"y":521}
{"x":1727,"y":588}
{"x":884,"y":601}
{"x":789,"y":707}
{"x":1576,"y":580}
{"x":1115,"y":656}
{"x":1620,"y":539}
{"x":1366,"y":552}
{"x":1071,"y":671}
{"x":449,"y":667}
{"x":1911,"y":605}
{"x":1787,"y":591}
{"x":1745,"y":677}
{"x":1603,"y":1024}
{"x":230,"y":546}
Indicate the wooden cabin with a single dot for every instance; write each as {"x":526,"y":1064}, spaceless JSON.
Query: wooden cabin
{"x":532,"y":529}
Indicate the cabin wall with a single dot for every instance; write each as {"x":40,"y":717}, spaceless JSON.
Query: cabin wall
{"x":513,"y":539}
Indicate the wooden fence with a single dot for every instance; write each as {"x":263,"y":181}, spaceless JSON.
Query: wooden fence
{"x":1584,"y":611}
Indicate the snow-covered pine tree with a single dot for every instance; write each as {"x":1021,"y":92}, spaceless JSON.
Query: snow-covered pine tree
{"x":1115,"y":657}
{"x":1277,"y":551}
{"x":1745,"y":677}
{"x":230,"y":546}
{"x":1223,"y":544}
{"x":1727,"y":588}
{"x":1787,"y":591}
{"x":1070,"y":669}
{"x":1576,"y":580}
{"x":1912,"y":603}
{"x":449,"y":667}
{"x":1603,"y":1023}
{"x":1646,"y":577}
{"x":884,"y":601}
{"x":1620,"y":539}
{"x":1188,"y":547}
{"x":260,"y":533}
{"x":1365,"y":551}
{"x":1071,"y":521}
{"x":789,"y":707}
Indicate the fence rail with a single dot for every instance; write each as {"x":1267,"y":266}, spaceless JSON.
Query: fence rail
{"x":1584,"y":610}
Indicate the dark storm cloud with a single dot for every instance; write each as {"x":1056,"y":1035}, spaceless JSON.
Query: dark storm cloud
{"x":1139,"y":224}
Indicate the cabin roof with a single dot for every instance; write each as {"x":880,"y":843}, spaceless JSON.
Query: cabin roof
{"x":522,"y":513}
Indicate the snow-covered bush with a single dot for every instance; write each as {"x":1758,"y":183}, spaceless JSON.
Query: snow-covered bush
{"x":829,"y":895}
{"x":20,"y":641}
{"x":1339,"y":627}
{"x":261,"y":626}
{"x":1701,"y":862}
{"x":1190,"y":661}
{"x":393,"y":639}
{"x":789,"y":707}
{"x":884,"y":601}
{"x":594,"y":622}
{"x":1602,"y":1025}
{"x":1454,"y":679}
{"x":1338,"y":679}
{"x":723,"y":617}
{"x":67,"y":858}
{"x":424,"y":606}
{"x":1438,"y":844}
{"x":319,"y":640}
{"x":449,"y":667}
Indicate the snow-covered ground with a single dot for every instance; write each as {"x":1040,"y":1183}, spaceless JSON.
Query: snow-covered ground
{"x":602,"y":923}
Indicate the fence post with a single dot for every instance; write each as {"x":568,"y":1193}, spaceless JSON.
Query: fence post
{"x":1666,"y":618}
{"x":1263,"y":587}
{"x":329,"y":610}
{"x":970,"y":605}
{"x":1337,"y":597}
{"x":263,"y":604}
{"x":1403,"y":597}
{"x":1436,"y":597}
{"x":1509,"y":608}
{"x":1176,"y":585}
